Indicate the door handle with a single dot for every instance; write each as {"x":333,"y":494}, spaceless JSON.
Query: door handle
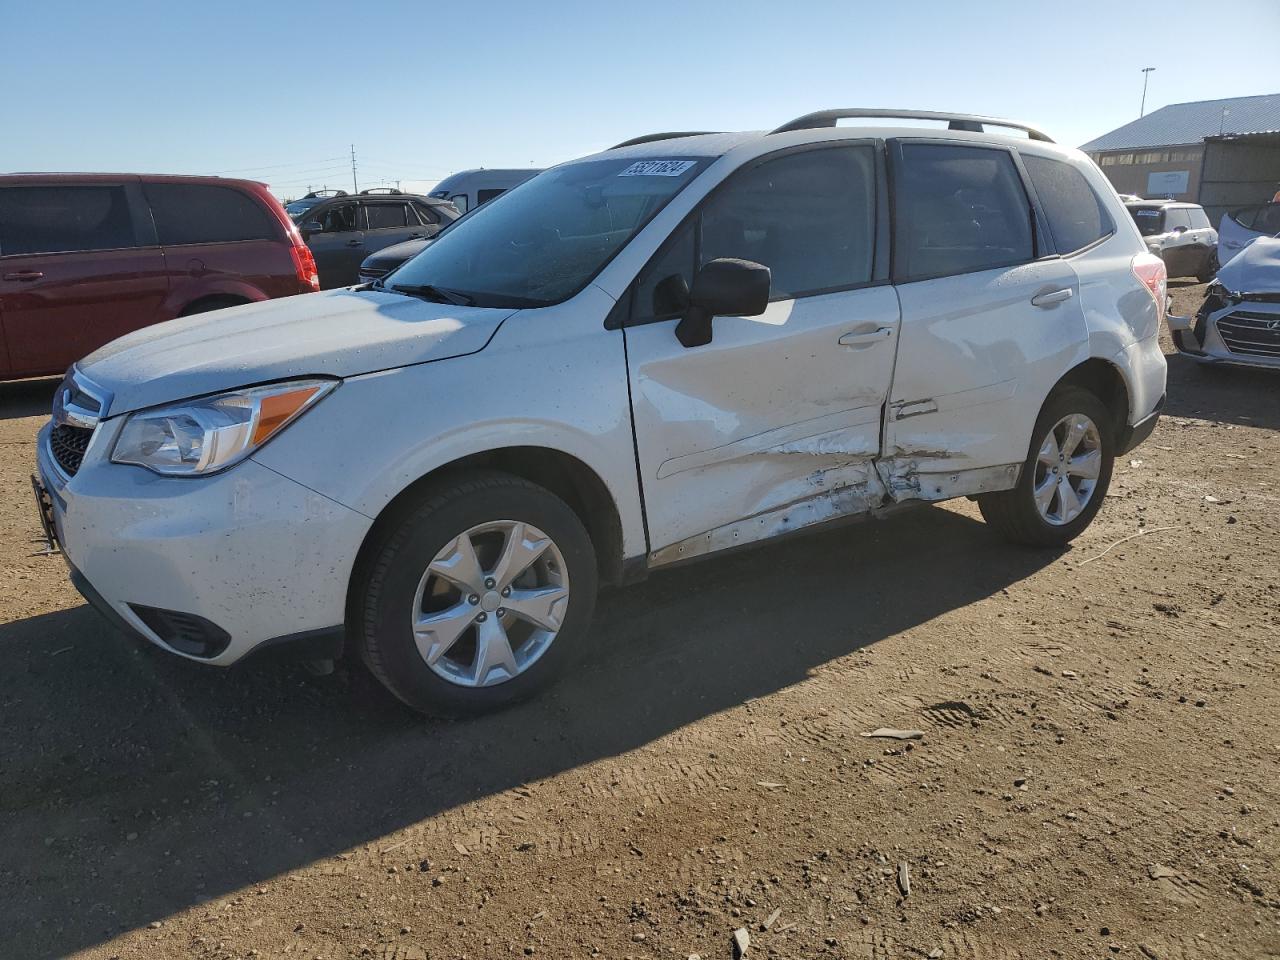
{"x":1052,"y":297}
{"x":355,"y":243}
{"x":866,"y":339}
{"x":24,"y":276}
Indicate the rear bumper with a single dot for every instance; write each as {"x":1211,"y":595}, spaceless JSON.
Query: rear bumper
{"x":1136,"y":433}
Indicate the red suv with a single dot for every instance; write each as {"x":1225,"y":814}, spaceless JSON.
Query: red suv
{"x":85,"y":258}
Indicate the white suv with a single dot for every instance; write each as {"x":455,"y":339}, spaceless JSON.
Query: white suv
{"x":652,"y":354}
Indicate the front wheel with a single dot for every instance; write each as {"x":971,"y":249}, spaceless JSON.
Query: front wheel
{"x":1065,"y":477}
{"x":480,"y":593}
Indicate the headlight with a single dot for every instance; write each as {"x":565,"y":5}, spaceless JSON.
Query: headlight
{"x":203,"y":436}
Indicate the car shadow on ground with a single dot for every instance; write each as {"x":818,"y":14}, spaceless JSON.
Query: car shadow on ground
{"x":27,"y":398}
{"x":134,"y":784}
{"x":1224,"y":394}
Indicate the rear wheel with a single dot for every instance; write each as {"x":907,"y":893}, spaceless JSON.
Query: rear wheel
{"x":480,"y":593}
{"x":1210,"y":268}
{"x":1065,"y":476}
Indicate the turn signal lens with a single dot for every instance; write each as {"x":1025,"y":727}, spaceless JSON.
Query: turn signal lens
{"x":1150,"y":269}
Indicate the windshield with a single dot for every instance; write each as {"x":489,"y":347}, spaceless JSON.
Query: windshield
{"x":542,"y":242}
{"x":299,"y":207}
{"x":1150,"y":220}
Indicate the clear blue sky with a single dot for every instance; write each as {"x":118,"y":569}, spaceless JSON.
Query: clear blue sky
{"x":278,"y":91}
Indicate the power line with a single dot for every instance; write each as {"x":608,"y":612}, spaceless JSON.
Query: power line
{"x":277,"y":166}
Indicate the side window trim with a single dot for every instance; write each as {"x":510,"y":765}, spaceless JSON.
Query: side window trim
{"x":880,"y":233}
{"x":1039,"y":240}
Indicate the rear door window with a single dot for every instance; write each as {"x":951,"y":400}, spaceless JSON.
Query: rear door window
{"x":64,"y":219}
{"x":1075,"y":214}
{"x":1268,"y":219}
{"x":426,"y":214}
{"x":188,"y":213}
{"x":958,"y":209}
{"x":1176,"y":217}
{"x":1199,"y":219}
{"x":384,"y":216}
{"x":1150,"y":220}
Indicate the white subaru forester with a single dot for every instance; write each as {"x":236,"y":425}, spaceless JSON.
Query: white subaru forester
{"x":681,"y":345}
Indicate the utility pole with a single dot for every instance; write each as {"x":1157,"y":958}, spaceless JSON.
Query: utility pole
{"x":355,"y":187}
{"x":1146,"y":72}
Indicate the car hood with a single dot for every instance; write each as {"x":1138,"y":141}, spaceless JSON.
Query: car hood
{"x":338,"y":333}
{"x":1255,"y":269}
{"x":398,"y":253}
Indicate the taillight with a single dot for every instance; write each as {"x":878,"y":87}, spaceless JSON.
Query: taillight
{"x":1150,"y":269}
{"x":305,"y":264}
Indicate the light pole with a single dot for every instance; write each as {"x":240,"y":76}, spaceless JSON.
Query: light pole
{"x":1146,"y":72}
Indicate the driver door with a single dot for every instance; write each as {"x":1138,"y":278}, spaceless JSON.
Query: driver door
{"x":774,"y":424}
{"x":339,"y":244}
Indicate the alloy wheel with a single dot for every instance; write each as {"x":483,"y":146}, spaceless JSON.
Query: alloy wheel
{"x":1067,"y":469}
{"x":491,"y":603}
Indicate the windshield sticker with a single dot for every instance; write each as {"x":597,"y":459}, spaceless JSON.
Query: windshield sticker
{"x":657,"y":168}
{"x":1146,"y":213}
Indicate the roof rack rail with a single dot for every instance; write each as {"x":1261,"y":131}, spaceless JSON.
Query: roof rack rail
{"x":651,"y":137}
{"x":956,"y":121}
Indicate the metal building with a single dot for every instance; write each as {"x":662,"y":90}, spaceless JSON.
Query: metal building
{"x":1221,"y":154}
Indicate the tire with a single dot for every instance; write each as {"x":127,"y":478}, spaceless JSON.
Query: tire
{"x":399,"y":586}
{"x":1210,"y":268}
{"x":211,"y":303}
{"x":1015,"y":514}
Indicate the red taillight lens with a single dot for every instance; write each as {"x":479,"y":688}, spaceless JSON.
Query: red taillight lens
{"x":305,"y":264}
{"x":1150,"y":269}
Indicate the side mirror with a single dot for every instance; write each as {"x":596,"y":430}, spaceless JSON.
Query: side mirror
{"x":315,"y":226}
{"x":723,"y":288}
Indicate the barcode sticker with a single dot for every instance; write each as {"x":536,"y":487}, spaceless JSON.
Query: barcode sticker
{"x":657,"y":168}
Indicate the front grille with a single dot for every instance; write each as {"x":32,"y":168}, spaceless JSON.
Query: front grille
{"x":68,"y":444}
{"x":1251,"y":333}
{"x":372,"y":273}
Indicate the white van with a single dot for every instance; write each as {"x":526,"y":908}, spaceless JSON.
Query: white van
{"x":470,"y":188}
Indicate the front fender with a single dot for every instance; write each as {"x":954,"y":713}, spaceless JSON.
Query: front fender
{"x":566,"y":391}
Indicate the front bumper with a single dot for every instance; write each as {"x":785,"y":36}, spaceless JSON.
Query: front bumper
{"x":1243,"y":334}
{"x":258,"y":556}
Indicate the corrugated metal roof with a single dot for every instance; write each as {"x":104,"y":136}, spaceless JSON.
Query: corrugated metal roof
{"x":1192,"y":122}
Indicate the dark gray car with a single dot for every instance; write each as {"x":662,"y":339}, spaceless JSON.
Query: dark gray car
{"x":342,"y":231}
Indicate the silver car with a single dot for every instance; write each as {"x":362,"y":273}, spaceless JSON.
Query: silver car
{"x":1239,"y":321}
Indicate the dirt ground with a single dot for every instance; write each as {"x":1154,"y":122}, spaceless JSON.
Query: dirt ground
{"x":1098,"y":773}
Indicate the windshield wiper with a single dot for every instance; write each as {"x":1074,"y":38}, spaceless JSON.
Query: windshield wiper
{"x":429,"y":292}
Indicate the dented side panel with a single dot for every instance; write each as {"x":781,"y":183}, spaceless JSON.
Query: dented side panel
{"x":976,"y":360}
{"x":774,"y":421}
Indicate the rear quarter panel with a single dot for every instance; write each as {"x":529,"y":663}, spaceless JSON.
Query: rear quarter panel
{"x":250,"y":270}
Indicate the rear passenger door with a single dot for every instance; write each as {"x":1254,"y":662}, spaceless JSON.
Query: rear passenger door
{"x":774,"y":424}
{"x":991,"y":319}
{"x":79,"y":266}
{"x":1180,"y":251}
{"x":389,"y":222}
{"x":218,"y":241}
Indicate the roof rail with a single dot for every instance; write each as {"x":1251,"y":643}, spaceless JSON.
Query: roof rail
{"x":957,"y":121}
{"x":651,"y":137}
